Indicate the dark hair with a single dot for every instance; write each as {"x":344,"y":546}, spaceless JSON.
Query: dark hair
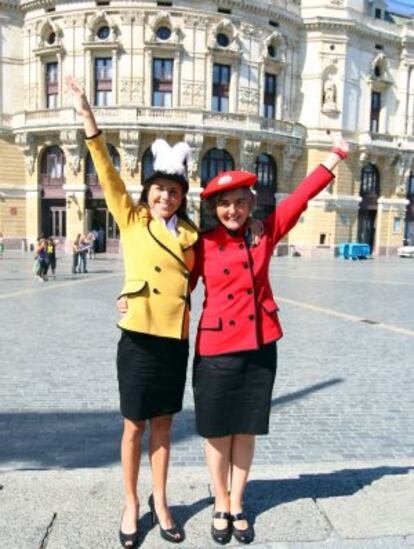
{"x":182,"y":209}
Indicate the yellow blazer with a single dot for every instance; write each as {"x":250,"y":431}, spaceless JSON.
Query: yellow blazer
{"x":157,"y":264}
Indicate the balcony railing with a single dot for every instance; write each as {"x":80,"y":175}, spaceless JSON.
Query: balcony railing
{"x":157,"y":116}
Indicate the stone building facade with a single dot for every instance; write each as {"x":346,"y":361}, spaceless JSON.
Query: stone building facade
{"x":256,"y":85}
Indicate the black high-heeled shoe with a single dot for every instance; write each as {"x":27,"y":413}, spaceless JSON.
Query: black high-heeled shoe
{"x":129,"y":541}
{"x":243,"y":536}
{"x":175,"y":534}
{"x":221,"y":535}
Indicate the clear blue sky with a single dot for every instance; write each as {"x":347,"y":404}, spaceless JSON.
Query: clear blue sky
{"x":401,"y":6}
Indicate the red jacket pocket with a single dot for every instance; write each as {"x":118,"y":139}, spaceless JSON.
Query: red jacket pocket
{"x":210,"y":323}
{"x":269,"y":305}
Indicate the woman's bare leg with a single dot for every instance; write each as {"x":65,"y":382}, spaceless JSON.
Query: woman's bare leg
{"x":242,"y":452}
{"x":159,"y":445}
{"x":218,"y":461}
{"x":131,"y":457}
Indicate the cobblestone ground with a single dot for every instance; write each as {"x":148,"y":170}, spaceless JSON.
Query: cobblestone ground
{"x":344,"y":388}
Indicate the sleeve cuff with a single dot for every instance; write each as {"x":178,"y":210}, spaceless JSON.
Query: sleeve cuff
{"x":328,"y":170}
{"x":93,"y":136}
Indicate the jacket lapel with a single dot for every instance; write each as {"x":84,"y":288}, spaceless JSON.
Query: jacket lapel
{"x":187,"y":236}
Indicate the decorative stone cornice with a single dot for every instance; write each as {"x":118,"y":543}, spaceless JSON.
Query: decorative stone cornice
{"x":163,"y":18}
{"x":47,"y":29}
{"x":225,"y":26}
{"x":72,"y":142}
{"x":339,"y":202}
{"x":27,"y":144}
{"x":397,"y":205}
{"x":291,"y":154}
{"x":130,"y":144}
{"x":279,"y":43}
{"x":195,"y":142}
{"x":353,"y":27}
{"x":98,"y":19}
{"x":249,"y":150}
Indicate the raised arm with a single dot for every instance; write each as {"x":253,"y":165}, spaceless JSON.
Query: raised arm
{"x":117,"y":198}
{"x":287,"y":213}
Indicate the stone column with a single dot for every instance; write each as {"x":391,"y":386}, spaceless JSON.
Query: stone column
{"x":27,"y":144}
{"x":249,"y":150}
{"x":75,"y":187}
{"x":130,"y":140}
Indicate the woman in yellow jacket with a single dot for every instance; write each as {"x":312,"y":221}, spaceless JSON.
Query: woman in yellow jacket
{"x":158,"y":240}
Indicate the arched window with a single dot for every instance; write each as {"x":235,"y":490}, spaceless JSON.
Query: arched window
{"x":214,"y":162}
{"x":91,"y":177}
{"x":370,"y":183}
{"x":147,"y":165}
{"x":52,"y":166}
{"x":266,"y":172}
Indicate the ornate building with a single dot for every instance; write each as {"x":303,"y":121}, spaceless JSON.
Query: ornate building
{"x":261,"y":86}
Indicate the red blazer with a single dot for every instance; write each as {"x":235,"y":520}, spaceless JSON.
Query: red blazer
{"x":239,"y":311}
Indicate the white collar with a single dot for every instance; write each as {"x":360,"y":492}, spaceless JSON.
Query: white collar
{"x":171,"y":224}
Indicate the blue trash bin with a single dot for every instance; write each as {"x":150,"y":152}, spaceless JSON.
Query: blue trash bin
{"x":358,"y":250}
{"x":343,"y":250}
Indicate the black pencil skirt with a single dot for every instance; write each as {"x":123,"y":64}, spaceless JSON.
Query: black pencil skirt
{"x":233,"y":392}
{"x":151,"y":375}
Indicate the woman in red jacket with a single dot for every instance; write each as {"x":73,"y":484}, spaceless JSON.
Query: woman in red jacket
{"x":235,"y":360}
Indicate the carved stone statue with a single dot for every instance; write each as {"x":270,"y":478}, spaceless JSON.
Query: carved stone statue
{"x":329,"y":95}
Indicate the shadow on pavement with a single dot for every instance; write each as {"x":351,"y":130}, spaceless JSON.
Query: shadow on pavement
{"x":47,"y":440}
{"x":263,"y":495}
{"x":181,"y":513}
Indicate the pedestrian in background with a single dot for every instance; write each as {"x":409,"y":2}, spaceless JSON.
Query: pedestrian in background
{"x":40,"y":259}
{"x":91,"y":238}
{"x":75,"y":254}
{"x":51,"y":244}
{"x":2,"y":247}
{"x":83,"y":249}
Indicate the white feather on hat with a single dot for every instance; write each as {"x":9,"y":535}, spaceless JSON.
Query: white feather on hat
{"x":169,"y":159}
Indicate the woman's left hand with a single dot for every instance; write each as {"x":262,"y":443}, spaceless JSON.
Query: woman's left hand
{"x":122,"y":305}
{"x":342,"y":145}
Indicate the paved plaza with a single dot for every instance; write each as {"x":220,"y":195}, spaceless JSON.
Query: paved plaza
{"x":337,"y":469}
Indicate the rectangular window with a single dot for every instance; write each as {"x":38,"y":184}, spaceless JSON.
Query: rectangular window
{"x":162,"y":82}
{"x":52,"y":85}
{"x":221,"y":87}
{"x":375,"y":112}
{"x":103,"y":81}
{"x":269,"y":107}
{"x":396,"y":226}
{"x":378,"y":13}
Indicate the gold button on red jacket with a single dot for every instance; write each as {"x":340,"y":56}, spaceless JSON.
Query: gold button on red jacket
{"x":239,"y":311}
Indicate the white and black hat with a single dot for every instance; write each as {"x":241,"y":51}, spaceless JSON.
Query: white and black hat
{"x":170,"y":162}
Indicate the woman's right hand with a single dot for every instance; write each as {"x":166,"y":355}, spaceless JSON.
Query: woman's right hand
{"x":80,"y":102}
{"x":122,"y":305}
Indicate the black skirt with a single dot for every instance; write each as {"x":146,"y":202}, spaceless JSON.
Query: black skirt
{"x":151,"y":375}
{"x":233,"y":392}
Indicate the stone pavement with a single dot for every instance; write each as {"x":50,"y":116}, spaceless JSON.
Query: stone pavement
{"x":335,"y":471}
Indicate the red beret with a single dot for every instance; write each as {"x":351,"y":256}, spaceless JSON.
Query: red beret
{"x":227,"y":181}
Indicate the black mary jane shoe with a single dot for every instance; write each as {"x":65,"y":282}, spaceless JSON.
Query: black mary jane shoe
{"x":243,"y":536}
{"x":129,"y":541}
{"x":175,"y":534}
{"x":221,"y":535}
